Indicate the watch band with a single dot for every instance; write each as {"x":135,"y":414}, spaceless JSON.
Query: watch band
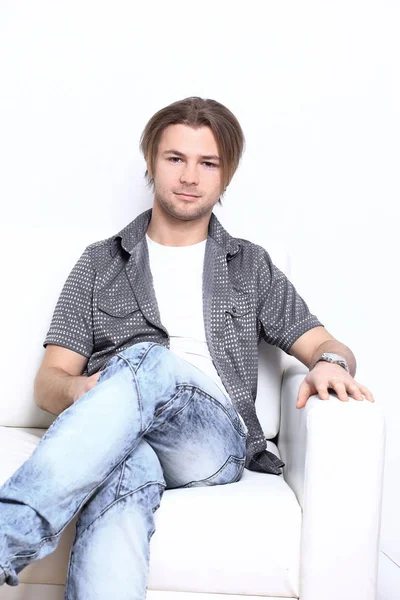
{"x":335,"y":359}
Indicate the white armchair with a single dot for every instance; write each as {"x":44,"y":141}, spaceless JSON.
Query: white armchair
{"x":312,"y":533}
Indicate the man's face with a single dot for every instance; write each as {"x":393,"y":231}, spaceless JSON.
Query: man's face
{"x":187,"y":178}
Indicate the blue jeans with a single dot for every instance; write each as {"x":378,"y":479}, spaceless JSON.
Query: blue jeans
{"x":152,"y":422}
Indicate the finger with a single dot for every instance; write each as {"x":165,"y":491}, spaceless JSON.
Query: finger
{"x":365,"y":391}
{"x":93,"y":379}
{"x":340,"y":389}
{"x":322,"y":389}
{"x":355,"y":392}
{"x":303,"y":395}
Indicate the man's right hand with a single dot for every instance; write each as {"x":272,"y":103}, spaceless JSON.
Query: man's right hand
{"x":84,"y":384}
{"x":59,"y":381}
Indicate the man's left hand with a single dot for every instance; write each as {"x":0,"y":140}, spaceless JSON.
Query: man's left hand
{"x":325,"y":376}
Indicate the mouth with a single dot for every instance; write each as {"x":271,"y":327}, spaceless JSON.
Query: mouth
{"x":186,"y":195}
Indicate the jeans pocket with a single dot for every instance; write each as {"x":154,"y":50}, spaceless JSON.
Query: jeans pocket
{"x":231,"y":471}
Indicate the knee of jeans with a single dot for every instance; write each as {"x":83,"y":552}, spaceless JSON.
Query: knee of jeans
{"x":140,"y":477}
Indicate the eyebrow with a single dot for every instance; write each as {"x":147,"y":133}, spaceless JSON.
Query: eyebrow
{"x":204,"y":156}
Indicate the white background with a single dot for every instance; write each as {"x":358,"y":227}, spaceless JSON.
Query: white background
{"x":316,"y":88}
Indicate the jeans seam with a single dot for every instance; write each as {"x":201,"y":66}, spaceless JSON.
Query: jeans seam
{"x":239,"y":475}
{"x":230,"y":457}
{"x":185,"y":405}
{"x":145,"y":353}
{"x":135,"y":383}
{"x":141,"y":359}
{"x":148,"y":483}
{"x":120,"y":480}
{"x":217,"y":403}
{"x":165,"y":406}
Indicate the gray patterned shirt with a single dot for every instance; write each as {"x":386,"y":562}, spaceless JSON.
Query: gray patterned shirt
{"x":108,"y":303}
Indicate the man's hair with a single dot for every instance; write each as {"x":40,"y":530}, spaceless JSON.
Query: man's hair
{"x":197,"y":112}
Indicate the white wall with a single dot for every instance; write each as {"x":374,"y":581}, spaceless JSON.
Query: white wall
{"x":316,"y":88}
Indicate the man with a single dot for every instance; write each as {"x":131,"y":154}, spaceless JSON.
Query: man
{"x":151,"y":365}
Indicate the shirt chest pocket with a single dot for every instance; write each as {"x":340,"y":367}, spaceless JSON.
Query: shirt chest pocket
{"x":238,"y":305}
{"x":117,"y":306}
{"x":239,"y":322}
{"x":117,"y":321}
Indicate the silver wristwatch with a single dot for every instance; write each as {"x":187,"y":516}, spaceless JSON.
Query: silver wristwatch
{"x":335,"y":359}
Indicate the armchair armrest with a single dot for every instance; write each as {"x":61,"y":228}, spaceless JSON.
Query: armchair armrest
{"x":334,"y":455}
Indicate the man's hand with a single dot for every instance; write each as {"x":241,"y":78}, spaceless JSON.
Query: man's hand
{"x":84,"y":384}
{"x":326,"y":376}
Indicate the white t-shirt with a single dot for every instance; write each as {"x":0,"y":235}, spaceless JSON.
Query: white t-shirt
{"x":178,"y":283}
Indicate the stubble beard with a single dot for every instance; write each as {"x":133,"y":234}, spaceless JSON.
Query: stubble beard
{"x":181,"y":210}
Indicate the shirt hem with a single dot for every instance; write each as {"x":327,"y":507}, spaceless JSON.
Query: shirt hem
{"x":301,"y":328}
{"x":70,"y":345}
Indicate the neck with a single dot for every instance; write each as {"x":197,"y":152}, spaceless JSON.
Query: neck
{"x":170,"y":231}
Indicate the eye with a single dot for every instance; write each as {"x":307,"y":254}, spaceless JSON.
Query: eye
{"x":174,"y":158}
{"x":210,"y":165}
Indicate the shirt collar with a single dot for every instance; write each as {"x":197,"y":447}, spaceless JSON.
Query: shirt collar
{"x":135,"y":231}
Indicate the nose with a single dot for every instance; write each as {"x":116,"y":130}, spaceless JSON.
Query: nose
{"x":189,"y":174}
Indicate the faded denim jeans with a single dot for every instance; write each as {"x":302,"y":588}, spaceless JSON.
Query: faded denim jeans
{"x":152,"y":422}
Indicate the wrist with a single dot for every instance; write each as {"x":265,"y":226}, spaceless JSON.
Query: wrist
{"x":332,"y":358}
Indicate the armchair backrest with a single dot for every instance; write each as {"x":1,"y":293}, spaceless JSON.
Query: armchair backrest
{"x":35,"y":267}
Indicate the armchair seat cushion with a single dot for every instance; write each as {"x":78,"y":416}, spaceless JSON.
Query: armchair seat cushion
{"x":206,"y":538}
